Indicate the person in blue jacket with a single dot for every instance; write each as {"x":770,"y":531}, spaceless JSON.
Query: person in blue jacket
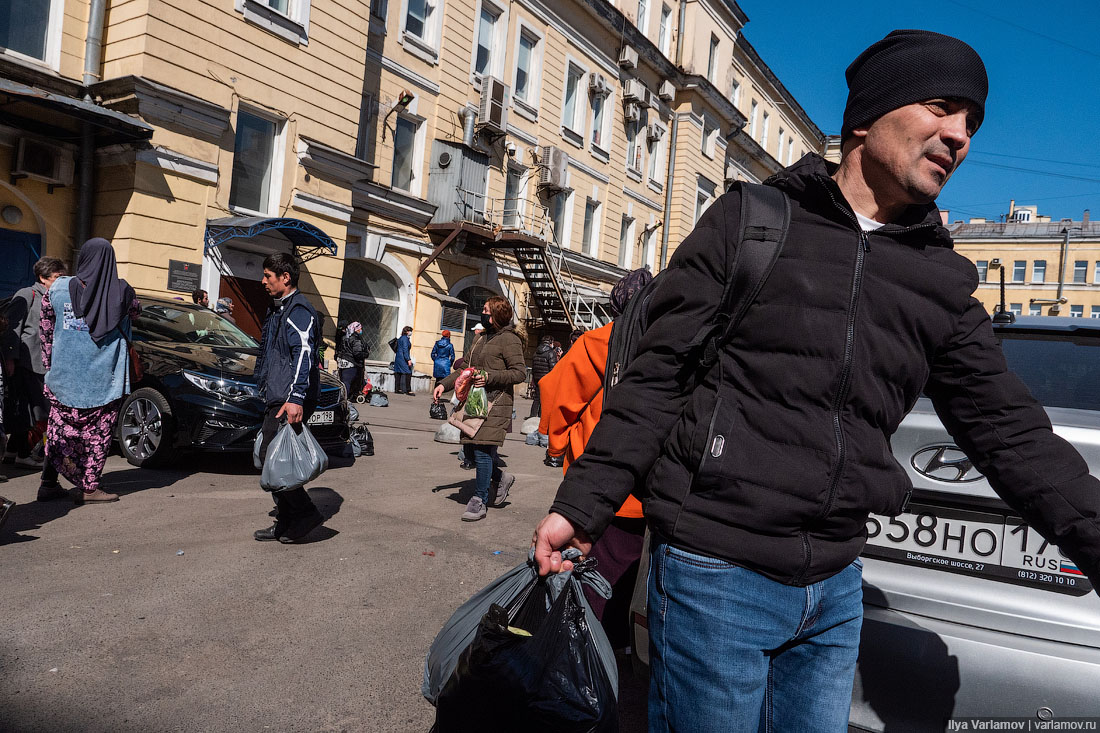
{"x":443,"y":355}
{"x":402,"y":363}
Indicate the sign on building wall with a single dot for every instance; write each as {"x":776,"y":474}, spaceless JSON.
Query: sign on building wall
{"x":183,"y":276}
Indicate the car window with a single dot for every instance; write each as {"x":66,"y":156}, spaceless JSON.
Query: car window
{"x":181,"y":324}
{"x":1060,"y":372}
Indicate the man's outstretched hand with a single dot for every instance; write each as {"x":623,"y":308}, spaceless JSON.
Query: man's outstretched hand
{"x":554,"y":534}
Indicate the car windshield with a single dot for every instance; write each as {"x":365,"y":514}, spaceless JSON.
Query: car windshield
{"x":183,"y":324}
{"x":1060,"y":372}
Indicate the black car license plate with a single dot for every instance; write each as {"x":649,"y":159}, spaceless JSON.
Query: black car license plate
{"x":993,"y":546}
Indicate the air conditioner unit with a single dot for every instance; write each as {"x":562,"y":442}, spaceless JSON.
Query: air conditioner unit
{"x":632,"y":113}
{"x":653,"y":132}
{"x":597,"y":84}
{"x":553,"y":162}
{"x":492,"y":114}
{"x":649,"y":99}
{"x":667,"y":90}
{"x":628,"y":58}
{"x":43,"y":162}
{"x":633,"y":90}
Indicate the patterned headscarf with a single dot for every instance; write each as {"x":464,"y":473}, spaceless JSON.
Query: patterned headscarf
{"x":353,"y":327}
{"x":626,"y":288}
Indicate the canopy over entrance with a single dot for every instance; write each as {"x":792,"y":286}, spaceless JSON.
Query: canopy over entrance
{"x":307,"y":240}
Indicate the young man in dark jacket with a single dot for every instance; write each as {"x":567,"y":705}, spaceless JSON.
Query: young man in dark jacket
{"x":545,"y":360}
{"x":290,"y":381}
{"x":760,"y":477}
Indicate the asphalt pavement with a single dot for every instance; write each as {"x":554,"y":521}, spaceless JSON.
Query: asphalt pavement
{"x":161,"y":613}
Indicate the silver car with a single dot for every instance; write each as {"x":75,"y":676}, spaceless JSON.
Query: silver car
{"x":968,"y":612}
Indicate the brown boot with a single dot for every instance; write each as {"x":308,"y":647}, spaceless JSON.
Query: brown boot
{"x":99,"y":496}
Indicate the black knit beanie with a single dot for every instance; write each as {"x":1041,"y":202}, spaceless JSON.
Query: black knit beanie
{"x":911,"y":66}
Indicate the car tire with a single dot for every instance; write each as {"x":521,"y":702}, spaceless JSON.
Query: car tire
{"x":146,"y":431}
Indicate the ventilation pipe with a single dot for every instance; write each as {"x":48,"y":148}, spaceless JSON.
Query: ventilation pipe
{"x":93,"y":62}
{"x":469,"y":118}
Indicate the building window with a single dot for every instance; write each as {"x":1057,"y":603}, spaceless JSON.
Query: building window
{"x":626,"y":237}
{"x":656,"y":152}
{"x":1076,"y":311}
{"x":367,"y":112}
{"x":598,"y":107}
{"x":590,"y":234}
{"x":764,"y":131}
{"x":404,"y":144}
{"x":1039,"y":271}
{"x":647,"y":248}
{"x":712,"y":59}
{"x":1094,"y":311}
{"x":704,"y":196}
{"x":32,"y":28}
{"x":525,"y":84}
{"x":643,"y":16}
{"x":1035,"y":310}
{"x":418,"y":18}
{"x":790,"y":150}
{"x":372,"y":296}
{"x":1080,"y":271}
{"x":421,"y":29}
{"x":574,"y":100}
{"x":1022,"y":216}
{"x":1018,"y":269}
{"x":779,"y":145}
{"x":710,"y":134}
{"x":558,"y":206}
{"x":1016,"y":309}
{"x":735,"y":92}
{"x":753,"y":116}
{"x":983,"y":269}
{"x":1096,"y":272}
{"x":664,"y":33}
{"x":486,"y":30}
{"x":634,"y":145}
{"x":255,"y":166}
{"x":513,"y":198}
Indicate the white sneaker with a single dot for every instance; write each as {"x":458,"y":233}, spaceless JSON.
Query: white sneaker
{"x":30,"y":462}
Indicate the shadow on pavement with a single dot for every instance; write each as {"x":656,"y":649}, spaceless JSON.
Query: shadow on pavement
{"x":328,"y":501}
{"x":30,"y":516}
{"x":463,"y":490}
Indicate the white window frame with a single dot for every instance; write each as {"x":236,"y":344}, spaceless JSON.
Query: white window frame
{"x":592,"y":247}
{"x":1035,"y":310}
{"x":712,"y":58}
{"x":664,"y":32}
{"x":735,"y":91}
{"x":574,"y":131}
{"x":790,"y":150}
{"x":637,"y":139}
{"x":626,"y":241}
{"x":704,"y":191}
{"x":566,"y":214}
{"x":278,"y":158}
{"x":1038,"y":275}
{"x":648,"y":253}
{"x":293,"y":25}
{"x":657,"y":151}
{"x":1076,"y":311}
{"x":602,"y":150}
{"x":764,"y":130}
{"x":1096,"y":272}
{"x":1094,"y":311}
{"x":983,"y":270}
{"x":51,"y":53}
{"x":410,"y":115}
{"x":528,"y":107}
{"x":643,"y":17}
{"x":709,"y":136}
{"x":495,"y":66}
{"x":1019,"y":271}
{"x":1084,"y":270}
{"x":425,"y":47}
{"x":1016,"y":309}
{"x":753,"y":117}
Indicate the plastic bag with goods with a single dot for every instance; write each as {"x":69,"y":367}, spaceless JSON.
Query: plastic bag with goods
{"x":294,"y":458}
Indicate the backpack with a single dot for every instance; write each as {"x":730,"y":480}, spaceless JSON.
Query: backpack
{"x":765,"y":219}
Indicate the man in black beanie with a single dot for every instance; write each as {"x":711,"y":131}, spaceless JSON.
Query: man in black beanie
{"x":760,"y":473}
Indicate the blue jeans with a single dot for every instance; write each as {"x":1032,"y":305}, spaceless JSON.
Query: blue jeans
{"x":731,"y":650}
{"x":484,"y":458}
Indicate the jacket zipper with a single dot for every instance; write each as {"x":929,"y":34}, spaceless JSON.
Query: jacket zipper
{"x":845,"y":383}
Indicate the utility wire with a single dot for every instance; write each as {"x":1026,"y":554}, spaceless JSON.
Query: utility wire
{"x":1025,"y":29}
{"x":1037,"y":160}
{"x":1035,"y":171}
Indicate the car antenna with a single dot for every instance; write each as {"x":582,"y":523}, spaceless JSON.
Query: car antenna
{"x":1001,"y":314}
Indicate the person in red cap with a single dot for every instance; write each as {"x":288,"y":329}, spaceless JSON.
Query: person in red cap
{"x":757,"y":476}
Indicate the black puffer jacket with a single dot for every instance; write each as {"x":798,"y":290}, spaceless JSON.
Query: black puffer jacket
{"x":544,"y":360}
{"x":776,"y":459}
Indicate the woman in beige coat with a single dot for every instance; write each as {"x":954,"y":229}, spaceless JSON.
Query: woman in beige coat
{"x":498,"y":352}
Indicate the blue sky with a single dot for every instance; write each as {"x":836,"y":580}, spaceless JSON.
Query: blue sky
{"x":1043,"y":111}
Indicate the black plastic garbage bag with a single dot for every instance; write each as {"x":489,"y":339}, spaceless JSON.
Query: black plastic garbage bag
{"x":437,"y":411}
{"x":540,"y":662}
{"x":293,"y":459}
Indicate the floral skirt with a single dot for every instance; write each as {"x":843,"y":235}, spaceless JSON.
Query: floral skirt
{"x":78,"y":439}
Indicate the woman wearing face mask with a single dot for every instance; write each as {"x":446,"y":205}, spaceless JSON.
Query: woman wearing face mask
{"x":499,"y":353}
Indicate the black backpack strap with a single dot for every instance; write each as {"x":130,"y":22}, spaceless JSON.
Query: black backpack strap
{"x":765,"y":219}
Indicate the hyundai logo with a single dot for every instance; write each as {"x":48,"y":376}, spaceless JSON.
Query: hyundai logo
{"x":945,"y":462}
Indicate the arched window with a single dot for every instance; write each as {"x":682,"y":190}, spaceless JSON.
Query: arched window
{"x":474,"y":297}
{"x":371,"y":295}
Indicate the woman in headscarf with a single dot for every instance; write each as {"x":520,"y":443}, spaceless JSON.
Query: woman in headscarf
{"x":350,"y":357}
{"x":443,"y":356}
{"x":85,"y":349}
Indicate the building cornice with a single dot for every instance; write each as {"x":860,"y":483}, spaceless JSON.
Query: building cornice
{"x":744,"y":140}
{"x":788,"y":98}
{"x":163,"y":105}
{"x":331,"y":163}
{"x":392,"y":203}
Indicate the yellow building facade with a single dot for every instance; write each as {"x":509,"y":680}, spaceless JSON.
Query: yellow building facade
{"x":418,"y":156}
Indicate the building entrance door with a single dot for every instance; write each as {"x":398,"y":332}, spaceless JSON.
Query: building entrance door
{"x":250,"y":303}
{"x":18,"y":251}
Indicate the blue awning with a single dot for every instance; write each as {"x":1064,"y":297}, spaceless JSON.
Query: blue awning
{"x":308,"y":241}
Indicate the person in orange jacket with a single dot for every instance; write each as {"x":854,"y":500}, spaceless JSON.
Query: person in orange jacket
{"x":572,"y":400}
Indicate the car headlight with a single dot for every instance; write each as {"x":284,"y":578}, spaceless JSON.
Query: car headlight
{"x":229,"y":389}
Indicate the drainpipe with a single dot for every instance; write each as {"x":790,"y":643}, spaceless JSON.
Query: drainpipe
{"x":93,"y":61}
{"x":680,"y":35}
{"x":668,"y":187}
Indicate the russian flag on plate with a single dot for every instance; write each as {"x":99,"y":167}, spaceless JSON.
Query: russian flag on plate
{"x":1068,"y":567}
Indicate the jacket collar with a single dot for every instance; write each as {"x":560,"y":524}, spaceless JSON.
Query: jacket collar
{"x":809,"y":181}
